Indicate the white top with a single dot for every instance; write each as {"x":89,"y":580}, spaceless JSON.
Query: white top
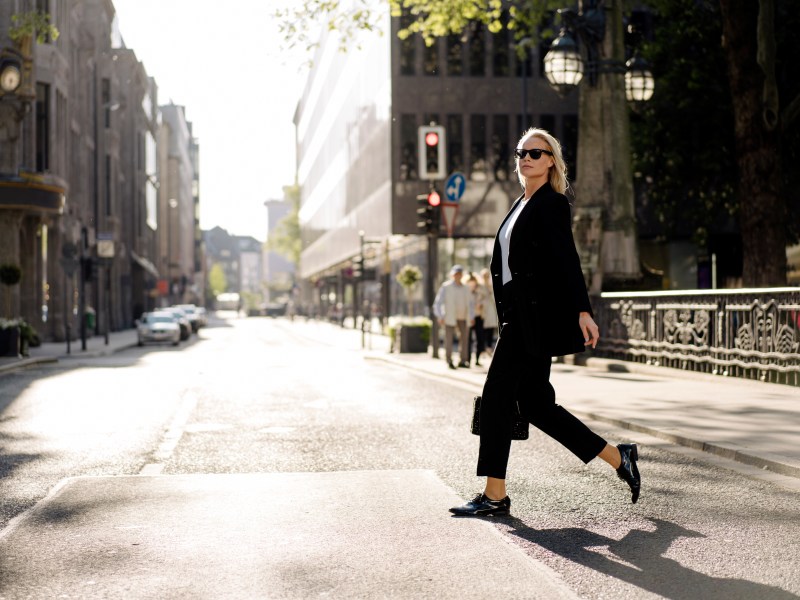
{"x":505,"y":239}
{"x":453,"y":303}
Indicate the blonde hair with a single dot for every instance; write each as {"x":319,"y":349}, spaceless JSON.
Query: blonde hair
{"x":558,"y":172}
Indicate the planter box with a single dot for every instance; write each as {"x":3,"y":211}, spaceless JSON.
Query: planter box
{"x":414,"y":339}
{"x":9,"y":342}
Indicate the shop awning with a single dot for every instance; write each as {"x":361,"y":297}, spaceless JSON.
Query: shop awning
{"x":145,"y":264}
{"x":31,"y":196}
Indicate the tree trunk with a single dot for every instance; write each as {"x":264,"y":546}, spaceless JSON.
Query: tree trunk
{"x":762,"y":209}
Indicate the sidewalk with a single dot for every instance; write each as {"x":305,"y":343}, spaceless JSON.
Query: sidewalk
{"x":53,"y":351}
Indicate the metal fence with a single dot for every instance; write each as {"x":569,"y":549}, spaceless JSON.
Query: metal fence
{"x":749,"y":333}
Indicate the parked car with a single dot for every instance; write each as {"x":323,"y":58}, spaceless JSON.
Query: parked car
{"x":192,"y":314}
{"x":158,"y":327}
{"x":183,"y":322}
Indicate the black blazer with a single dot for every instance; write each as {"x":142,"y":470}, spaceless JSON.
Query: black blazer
{"x":549,"y":291}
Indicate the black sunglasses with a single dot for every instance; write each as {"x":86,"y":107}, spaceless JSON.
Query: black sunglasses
{"x":534,"y":153}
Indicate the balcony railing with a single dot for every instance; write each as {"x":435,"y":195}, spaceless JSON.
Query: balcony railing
{"x":748,"y":333}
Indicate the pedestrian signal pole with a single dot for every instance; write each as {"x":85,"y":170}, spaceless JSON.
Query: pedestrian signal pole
{"x":432,"y":149}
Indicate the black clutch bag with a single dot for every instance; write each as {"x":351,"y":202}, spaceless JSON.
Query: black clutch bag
{"x":519,"y":431}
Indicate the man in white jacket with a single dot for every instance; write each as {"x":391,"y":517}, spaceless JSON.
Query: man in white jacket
{"x":453,"y":308}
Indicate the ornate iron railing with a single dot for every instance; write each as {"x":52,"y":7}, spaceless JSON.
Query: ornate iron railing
{"x":749,"y":333}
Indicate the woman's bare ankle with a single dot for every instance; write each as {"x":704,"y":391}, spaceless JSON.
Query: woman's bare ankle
{"x":495,"y":488}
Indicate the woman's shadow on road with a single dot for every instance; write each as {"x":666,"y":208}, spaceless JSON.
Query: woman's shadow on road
{"x":650,"y":570}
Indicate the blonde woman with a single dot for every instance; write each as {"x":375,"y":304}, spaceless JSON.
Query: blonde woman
{"x":544,"y":311}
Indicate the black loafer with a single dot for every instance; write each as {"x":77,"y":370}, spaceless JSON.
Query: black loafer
{"x":628,"y":471}
{"x":481,"y":505}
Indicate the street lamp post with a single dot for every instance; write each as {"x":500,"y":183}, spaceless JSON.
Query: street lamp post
{"x":604,"y":218}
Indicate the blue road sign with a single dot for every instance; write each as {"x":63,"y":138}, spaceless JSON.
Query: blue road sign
{"x":454,"y":186}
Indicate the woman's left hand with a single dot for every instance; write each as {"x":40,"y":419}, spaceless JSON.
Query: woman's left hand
{"x":589,"y":329}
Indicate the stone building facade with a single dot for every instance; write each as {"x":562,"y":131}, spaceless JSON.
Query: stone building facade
{"x":80,"y":183}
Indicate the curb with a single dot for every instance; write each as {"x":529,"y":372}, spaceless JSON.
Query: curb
{"x":765,"y":461}
{"x":26,"y":363}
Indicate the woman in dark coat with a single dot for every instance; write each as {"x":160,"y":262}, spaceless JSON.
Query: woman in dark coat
{"x":544,"y":311}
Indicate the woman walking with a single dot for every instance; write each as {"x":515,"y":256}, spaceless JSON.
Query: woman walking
{"x":544,"y":311}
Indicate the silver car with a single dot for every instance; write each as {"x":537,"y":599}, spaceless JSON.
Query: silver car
{"x":158,"y":327}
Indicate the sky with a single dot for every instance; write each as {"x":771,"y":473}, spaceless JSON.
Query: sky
{"x":223,"y":62}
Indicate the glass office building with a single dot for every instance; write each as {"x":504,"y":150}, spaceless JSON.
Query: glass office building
{"x":357,"y":125}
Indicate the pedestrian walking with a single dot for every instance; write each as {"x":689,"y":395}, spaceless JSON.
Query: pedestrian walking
{"x":544,"y":310}
{"x":489,"y":312}
{"x":476,"y":331}
{"x":453,"y":309}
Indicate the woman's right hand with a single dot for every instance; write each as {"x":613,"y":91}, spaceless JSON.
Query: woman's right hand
{"x":591,"y":333}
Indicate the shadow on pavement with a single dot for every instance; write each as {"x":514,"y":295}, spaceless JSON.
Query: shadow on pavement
{"x":650,"y":570}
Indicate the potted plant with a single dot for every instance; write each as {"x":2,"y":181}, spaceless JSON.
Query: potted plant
{"x":10,"y":274}
{"x":9,"y":337}
{"x":408,"y":277}
{"x":412,"y":334}
{"x":31,"y":25}
{"x":28,"y":337}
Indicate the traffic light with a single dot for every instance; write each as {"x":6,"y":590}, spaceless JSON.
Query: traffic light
{"x":358,"y":267}
{"x":432,"y":152}
{"x":89,"y":266}
{"x":428,"y":212}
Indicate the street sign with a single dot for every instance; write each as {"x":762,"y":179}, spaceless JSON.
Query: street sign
{"x":105,"y":245}
{"x":449,"y":212}
{"x":454,"y":186}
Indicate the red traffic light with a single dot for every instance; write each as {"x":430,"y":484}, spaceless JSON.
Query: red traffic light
{"x":431,"y":138}
{"x":434,"y":199}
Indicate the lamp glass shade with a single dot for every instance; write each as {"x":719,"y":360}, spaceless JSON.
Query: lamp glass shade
{"x":563,"y":65}
{"x":639,"y":82}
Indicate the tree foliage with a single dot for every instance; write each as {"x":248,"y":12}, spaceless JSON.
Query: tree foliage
{"x":682,"y":139}
{"x":430,"y":19}
{"x":285,"y":238}
{"x":217,"y":280}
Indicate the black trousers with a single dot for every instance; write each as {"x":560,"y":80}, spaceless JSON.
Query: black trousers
{"x":516,"y":377}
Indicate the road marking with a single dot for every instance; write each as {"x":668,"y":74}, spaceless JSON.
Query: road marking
{"x":173,"y":435}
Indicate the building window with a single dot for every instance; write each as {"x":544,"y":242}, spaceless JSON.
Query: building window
{"x":408,"y":147}
{"x":408,"y":47}
{"x":569,"y":143}
{"x":44,"y":7}
{"x":477,"y":51}
{"x":524,"y":65}
{"x":477,"y":148}
{"x":501,"y":147}
{"x":548,"y":123}
{"x":455,"y":59}
{"x":501,"y":55}
{"x":108,"y":184}
{"x":62,"y":135}
{"x":430,"y":58}
{"x":105,"y":87}
{"x":522,"y":127}
{"x":42,"y":127}
{"x":455,"y":143}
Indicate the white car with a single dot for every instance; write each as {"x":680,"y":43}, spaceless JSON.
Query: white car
{"x":158,"y":327}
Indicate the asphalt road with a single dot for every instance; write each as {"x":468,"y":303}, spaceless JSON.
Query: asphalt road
{"x":256,"y":396}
